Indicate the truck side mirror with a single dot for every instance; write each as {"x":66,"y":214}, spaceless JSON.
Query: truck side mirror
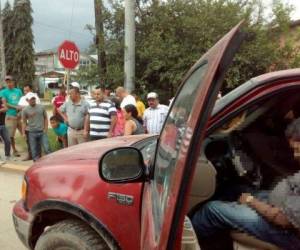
{"x":122,"y":165}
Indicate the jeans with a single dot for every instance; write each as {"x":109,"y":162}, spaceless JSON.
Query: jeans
{"x":37,"y":140}
{"x":5,"y":136}
{"x":217,"y":216}
{"x":28,"y":144}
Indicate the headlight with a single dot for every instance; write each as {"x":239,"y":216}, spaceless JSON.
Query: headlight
{"x":24,"y":190}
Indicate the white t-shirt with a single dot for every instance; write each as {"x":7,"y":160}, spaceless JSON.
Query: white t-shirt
{"x":128,"y":100}
{"x":154,"y":118}
{"x":23,"y":102}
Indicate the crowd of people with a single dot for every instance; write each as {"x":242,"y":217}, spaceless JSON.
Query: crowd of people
{"x":74,"y":119}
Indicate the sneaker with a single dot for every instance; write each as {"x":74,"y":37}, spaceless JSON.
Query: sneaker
{"x":16,"y":154}
{"x":8,"y":158}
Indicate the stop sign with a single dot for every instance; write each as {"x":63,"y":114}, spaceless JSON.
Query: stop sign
{"x":68,"y":54}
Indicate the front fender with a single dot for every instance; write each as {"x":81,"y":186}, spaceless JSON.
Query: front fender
{"x":65,"y":207}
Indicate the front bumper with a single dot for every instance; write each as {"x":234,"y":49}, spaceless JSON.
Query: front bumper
{"x":22,"y":222}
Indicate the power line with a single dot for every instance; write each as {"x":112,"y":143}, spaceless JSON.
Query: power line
{"x":58,"y":29}
{"x":62,"y":32}
{"x":71,"y":23}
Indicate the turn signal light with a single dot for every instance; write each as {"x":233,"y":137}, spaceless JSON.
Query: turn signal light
{"x":24,"y":190}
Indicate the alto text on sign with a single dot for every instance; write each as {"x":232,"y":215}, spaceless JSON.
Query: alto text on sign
{"x":68,"y":54}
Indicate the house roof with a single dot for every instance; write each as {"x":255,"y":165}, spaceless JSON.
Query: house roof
{"x":295,"y":23}
{"x":53,"y":74}
{"x":47,"y":52}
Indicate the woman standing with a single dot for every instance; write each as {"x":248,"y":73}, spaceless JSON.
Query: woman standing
{"x":119,"y":127}
{"x":133,"y":123}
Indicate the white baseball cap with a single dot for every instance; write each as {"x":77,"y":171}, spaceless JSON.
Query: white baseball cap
{"x":30,"y":95}
{"x":152,"y":95}
{"x":75,"y":85}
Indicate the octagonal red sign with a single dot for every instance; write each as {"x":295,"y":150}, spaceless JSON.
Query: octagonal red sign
{"x":68,"y":54}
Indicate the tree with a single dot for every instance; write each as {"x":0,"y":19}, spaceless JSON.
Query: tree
{"x":171,"y":35}
{"x":8,"y":35}
{"x":88,"y":74}
{"x":100,"y":40}
{"x":23,"y":68}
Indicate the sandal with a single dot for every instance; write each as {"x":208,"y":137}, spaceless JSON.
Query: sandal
{"x":16,"y":154}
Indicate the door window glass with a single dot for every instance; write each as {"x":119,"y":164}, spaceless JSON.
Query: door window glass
{"x":174,"y":141}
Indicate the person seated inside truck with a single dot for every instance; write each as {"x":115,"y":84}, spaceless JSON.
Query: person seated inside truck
{"x":272,"y":216}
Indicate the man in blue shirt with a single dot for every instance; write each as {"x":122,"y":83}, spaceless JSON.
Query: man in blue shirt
{"x":11,"y":96}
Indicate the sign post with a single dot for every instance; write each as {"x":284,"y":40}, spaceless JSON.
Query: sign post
{"x":69,"y":56}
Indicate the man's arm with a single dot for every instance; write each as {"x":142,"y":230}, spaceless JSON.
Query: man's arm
{"x":16,"y":107}
{"x":24,"y":123}
{"x":271,"y":213}
{"x":45,"y":121}
{"x":86,"y":125}
{"x":3,"y":109}
{"x":62,"y":112}
{"x":113,"y":123}
{"x":145,"y":122}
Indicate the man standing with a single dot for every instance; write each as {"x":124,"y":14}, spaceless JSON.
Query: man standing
{"x":11,"y":97}
{"x":27,"y":89}
{"x":125,"y":97}
{"x":101,"y":118}
{"x":155,"y":115}
{"x":3,"y":131}
{"x":35,"y":120}
{"x":74,"y":112}
{"x":24,"y":103}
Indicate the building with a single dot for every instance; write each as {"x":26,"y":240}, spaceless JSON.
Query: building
{"x":49,"y":71}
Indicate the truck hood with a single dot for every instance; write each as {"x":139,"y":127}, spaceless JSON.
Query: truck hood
{"x":88,"y":151}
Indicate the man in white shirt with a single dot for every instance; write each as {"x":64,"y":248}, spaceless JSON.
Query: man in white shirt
{"x":125,"y":97}
{"x":155,"y":115}
{"x":27,"y":89}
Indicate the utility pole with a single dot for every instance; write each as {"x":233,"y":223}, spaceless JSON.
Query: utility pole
{"x":2,"y":53}
{"x":100,"y":40}
{"x":129,"y":50}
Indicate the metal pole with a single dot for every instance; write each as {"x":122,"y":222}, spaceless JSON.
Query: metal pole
{"x":2,"y":53}
{"x":129,"y":56}
{"x":68,"y":81}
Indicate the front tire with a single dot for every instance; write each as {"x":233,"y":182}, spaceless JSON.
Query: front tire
{"x":70,"y":234}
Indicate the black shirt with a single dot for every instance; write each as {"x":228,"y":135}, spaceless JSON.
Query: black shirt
{"x":2,"y":114}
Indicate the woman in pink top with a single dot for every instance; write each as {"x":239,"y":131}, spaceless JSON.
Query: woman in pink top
{"x":119,"y":127}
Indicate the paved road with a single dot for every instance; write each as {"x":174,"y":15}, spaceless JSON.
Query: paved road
{"x":10,"y":189}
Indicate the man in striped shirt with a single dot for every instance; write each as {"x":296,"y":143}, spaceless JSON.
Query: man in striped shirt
{"x":101,"y":118}
{"x":155,"y":115}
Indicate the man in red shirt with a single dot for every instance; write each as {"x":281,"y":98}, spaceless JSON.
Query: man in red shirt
{"x":58,"y":101}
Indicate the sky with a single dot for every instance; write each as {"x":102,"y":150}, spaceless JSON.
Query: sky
{"x":58,"y":20}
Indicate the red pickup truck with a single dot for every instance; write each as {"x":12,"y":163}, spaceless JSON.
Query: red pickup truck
{"x":135,"y":192}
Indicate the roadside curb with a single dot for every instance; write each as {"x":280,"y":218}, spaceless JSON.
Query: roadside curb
{"x":15,"y":167}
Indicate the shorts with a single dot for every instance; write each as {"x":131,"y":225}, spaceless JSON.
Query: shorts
{"x":12,"y":123}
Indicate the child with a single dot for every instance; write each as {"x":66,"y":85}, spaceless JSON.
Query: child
{"x":60,"y":130}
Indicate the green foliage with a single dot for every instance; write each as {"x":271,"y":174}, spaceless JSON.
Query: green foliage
{"x":8,"y":35}
{"x":19,"y":41}
{"x":172,"y":35}
{"x":87,"y":74}
{"x":54,"y":144}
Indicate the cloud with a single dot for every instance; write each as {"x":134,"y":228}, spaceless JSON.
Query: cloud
{"x":57,"y":20}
